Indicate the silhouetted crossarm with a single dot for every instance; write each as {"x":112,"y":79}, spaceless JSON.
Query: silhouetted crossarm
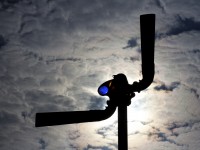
{"x":147,"y":30}
{"x":61,"y":118}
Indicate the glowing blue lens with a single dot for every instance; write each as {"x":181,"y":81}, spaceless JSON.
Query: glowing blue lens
{"x":103,"y":90}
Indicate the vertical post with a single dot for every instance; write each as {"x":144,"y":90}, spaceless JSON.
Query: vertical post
{"x":122,"y":128}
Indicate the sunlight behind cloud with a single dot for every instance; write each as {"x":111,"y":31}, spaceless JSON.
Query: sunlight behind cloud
{"x":55,"y":54}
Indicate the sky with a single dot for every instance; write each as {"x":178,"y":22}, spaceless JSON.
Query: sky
{"x":55,"y":54}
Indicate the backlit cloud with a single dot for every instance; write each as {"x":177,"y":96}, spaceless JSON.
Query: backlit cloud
{"x":55,"y":54}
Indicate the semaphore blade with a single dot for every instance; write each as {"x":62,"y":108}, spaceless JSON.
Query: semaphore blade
{"x":61,"y":118}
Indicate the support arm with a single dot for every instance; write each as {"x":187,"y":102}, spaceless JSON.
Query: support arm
{"x":147,"y":27}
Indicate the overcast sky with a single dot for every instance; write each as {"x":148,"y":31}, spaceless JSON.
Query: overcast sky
{"x":55,"y":54}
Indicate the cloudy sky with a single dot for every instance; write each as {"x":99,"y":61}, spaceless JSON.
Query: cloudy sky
{"x":55,"y":54}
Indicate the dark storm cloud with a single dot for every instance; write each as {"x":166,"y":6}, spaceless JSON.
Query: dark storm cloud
{"x":167,"y":88}
{"x":195,"y":91}
{"x":186,"y":125}
{"x":195,"y":51}
{"x":9,"y":1}
{"x":43,"y":144}
{"x":158,"y":135}
{"x":179,"y":129}
{"x":73,"y":59}
{"x":161,"y":5}
{"x":25,"y":114}
{"x":5,"y":4}
{"x":176,"y":131}
{"x":184,"y":25}
{"x":30,"y":54}
{"x":74,"y":146}
{"x":176,"y":125}
{"x":109,"y":129}
{"x":161,"y":137}
{"x":3,"y":41}
{"x":131,"y":43}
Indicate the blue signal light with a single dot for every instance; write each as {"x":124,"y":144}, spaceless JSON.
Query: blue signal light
{"x":103,"y":90}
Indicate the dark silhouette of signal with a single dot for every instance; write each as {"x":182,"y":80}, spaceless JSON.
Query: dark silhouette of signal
{"x":119,"y":91}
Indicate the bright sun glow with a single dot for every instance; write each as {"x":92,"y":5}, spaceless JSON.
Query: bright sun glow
{"x":137,"y":116}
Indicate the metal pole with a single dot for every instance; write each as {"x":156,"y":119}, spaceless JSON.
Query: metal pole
{"x":122,"y":128}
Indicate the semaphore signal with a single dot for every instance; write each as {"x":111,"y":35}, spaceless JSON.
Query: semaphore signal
{"x":117,"y":89}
